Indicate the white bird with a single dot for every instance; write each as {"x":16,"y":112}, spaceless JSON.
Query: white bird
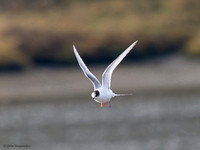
{"x":103,"y":93}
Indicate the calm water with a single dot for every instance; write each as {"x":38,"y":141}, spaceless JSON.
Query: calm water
{"x":140,"y":123}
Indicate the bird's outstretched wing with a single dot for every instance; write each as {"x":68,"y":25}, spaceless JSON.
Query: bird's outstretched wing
{"x":86,"y":71}
{"x":106,"y":77}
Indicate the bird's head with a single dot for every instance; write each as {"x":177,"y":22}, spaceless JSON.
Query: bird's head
{"x":95,"y":94}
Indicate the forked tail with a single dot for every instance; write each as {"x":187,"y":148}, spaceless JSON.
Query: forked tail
{"x":122,"y":94}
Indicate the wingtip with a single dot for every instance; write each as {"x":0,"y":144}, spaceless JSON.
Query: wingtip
{"x":132,"y":45}
{"x":74,"y":48}
{"x":135,"y":42}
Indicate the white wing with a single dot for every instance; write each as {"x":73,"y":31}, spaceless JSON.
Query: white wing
{"x":86,"y":71}
{"x":106,"y":77}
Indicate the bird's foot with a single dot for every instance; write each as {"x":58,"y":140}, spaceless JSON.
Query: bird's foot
{"x":109,"y":104}
{"x":101,"y":105}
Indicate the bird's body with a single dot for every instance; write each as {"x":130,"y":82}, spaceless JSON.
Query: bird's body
{"x":103,"y":93}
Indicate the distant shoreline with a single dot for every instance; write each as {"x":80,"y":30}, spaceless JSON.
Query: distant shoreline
{"x":172,"y":76}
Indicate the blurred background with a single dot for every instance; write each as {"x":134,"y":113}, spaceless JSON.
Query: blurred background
{"x":45,"y":98}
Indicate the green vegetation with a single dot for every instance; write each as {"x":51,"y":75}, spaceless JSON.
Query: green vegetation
{"x":40,"y":32}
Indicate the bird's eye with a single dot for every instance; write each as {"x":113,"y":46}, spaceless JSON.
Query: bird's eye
{"x":97,"y":93}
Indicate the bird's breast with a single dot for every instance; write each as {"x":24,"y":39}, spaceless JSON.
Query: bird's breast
{"x":104,"y":96}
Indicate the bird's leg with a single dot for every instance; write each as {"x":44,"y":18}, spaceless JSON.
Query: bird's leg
{"x":101,"y":105}
{"x":109,"y":104}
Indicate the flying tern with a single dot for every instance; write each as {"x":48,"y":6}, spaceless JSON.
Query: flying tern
{"x":103,"y":93}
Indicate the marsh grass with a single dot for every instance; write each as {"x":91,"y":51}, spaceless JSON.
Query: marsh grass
{"x":45,"y":33}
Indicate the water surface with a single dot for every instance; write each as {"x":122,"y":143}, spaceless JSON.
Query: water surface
{"x":140,"y":123}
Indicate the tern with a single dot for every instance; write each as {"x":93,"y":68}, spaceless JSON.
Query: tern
{"x":103,"y":93}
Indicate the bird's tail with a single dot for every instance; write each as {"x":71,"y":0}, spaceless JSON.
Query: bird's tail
{"x":122,"y":94}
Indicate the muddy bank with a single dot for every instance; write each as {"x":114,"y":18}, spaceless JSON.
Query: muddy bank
{"x":172,"y":75}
